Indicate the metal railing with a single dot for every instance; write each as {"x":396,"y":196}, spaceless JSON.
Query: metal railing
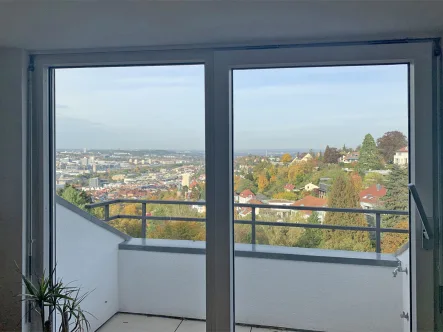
{"x":253,"y":222}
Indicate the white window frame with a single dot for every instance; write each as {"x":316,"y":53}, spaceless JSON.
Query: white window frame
{"x":219,"y":63}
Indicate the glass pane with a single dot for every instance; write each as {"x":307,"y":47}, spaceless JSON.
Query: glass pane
{"x":131,"y":159}
{"x":321,"y":166}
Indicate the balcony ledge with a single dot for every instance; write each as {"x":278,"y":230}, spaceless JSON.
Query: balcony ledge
{"x":265,"y":252}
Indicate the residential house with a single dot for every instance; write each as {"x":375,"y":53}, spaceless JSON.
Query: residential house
{"x":280,"y":202}
{"x":244,"y":211}
{"x":314,"y":202}
{"x":323,"y":187}
{"x":289,"y":187}
{"x":245,"y":196}
{"x":370,"y":197}
{"x":349,"y":158}
{"x":401,"y":157}
{"x":310,"y":187}
{"x":199,"y":208}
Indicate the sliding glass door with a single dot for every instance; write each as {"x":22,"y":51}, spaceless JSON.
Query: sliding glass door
{"x":239,"y":189}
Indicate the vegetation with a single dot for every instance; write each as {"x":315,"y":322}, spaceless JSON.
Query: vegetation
{"x":370,"y":158}
{"x":389,"y":143}
{"x":286,"y":178}
{"x":48,"y":297}
{"x":345,"y":195}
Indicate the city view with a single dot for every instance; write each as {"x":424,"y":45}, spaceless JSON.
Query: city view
{"x":358,"y":160}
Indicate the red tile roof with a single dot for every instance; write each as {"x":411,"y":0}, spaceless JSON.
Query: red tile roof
{"x":311,"y":201}
{"x":405,"y":149}
{"x":289,"y":186}
{"x":246,"y":193}
{"x":372,"y":194}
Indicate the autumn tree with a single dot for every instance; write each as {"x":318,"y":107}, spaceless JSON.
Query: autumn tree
{"x":389,"y":143}
{"x":285,"y":235}
{"x":397,"y":195}
{"x":344,"y":195}
{"x":391,"y":242}
{"x":369,"y":155}
{"x":286,"y":158}
{"x":262,"y":183}
{"x":331,"y":155}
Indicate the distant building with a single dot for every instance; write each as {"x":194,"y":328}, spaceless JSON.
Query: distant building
{"x":245,"y":196}
{"x":310,"y":187}
{"x":186,"y":179}
{"x":200,"y":208}
{"x":94,"y":183}
{"x":289,"y":187}
{"x":314,"y":202}
{"x":84,"y":161}
{"x":94,"y":168}
{"x":370,"y":197}
{"x":349,"y":158}
{"x":401,"y":157}
{"x":323,"y":187}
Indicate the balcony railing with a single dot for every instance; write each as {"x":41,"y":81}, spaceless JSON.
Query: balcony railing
{"x":378,"y":230}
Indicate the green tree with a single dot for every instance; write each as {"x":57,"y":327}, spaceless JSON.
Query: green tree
{"x":372,"y":178}
{"x":311,"y":237}
{"x":397,"y":195}
{"x":389,"y":143}
{"x":77,"y":197}
{"x":369,"y":156}
{"x":344,"y":195}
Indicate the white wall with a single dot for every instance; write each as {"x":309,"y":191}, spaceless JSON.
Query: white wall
{"x":88,"y":255}
{"x":303,"y":295}
{"x":404,"y":277}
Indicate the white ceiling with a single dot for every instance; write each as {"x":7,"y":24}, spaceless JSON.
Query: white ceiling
{"x":62,"y":24}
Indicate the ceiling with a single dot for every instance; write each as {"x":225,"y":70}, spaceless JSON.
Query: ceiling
{"x":50,"y":25}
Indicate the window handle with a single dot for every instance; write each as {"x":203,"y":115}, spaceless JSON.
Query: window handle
{"x":428,"y":236}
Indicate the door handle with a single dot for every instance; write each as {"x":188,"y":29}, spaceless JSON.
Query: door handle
{"x":428,"y":236}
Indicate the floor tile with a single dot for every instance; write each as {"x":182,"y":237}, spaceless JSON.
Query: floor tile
{"x":140,"y":323}
{"x":192,"y":326}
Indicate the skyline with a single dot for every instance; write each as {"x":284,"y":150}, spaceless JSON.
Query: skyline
{"x":274,"y":109}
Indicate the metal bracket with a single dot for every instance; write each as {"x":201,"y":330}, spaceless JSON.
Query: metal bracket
{"x":428,"y":236}
{"x":404,"y":315}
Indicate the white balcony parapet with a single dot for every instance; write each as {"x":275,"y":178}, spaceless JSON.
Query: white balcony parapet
{"x":308,"y":289}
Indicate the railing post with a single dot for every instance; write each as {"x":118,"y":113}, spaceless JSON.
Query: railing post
{"x":377,"y":233}
{"x":107,"y":212}
{"x":253,"y":226}
{"x":143,"y":220}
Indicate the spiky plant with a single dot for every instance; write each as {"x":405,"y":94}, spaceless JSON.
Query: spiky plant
{"x":48,"y":296}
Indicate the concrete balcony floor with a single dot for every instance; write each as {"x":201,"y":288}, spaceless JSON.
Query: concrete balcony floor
{"x":143,"y":323}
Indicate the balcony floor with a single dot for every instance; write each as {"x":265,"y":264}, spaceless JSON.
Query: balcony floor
{"x":143,"y":323}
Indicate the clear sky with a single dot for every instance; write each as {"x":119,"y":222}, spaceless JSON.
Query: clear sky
{"x":162,"y":107}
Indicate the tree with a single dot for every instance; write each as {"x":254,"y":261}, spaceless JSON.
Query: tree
{"x":331,"y":155}
{"x":344,"y":195}
{"x":286,"y":158}
{"x":243,"y":184}
{"x":389,"y":143}
{"x":369,"y":156}
{"x":77,"y":197}
{"x":397,"y":195}
{"x":372,"y":178}
{"x":391,"y":242}
{"x":311,"y":237}
{"x":262,"y":182}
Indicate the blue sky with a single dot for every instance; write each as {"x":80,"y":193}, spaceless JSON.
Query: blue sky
{"x":162,"y":107}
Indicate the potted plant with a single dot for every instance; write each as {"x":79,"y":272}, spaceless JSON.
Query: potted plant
{"x":48,"y":298}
